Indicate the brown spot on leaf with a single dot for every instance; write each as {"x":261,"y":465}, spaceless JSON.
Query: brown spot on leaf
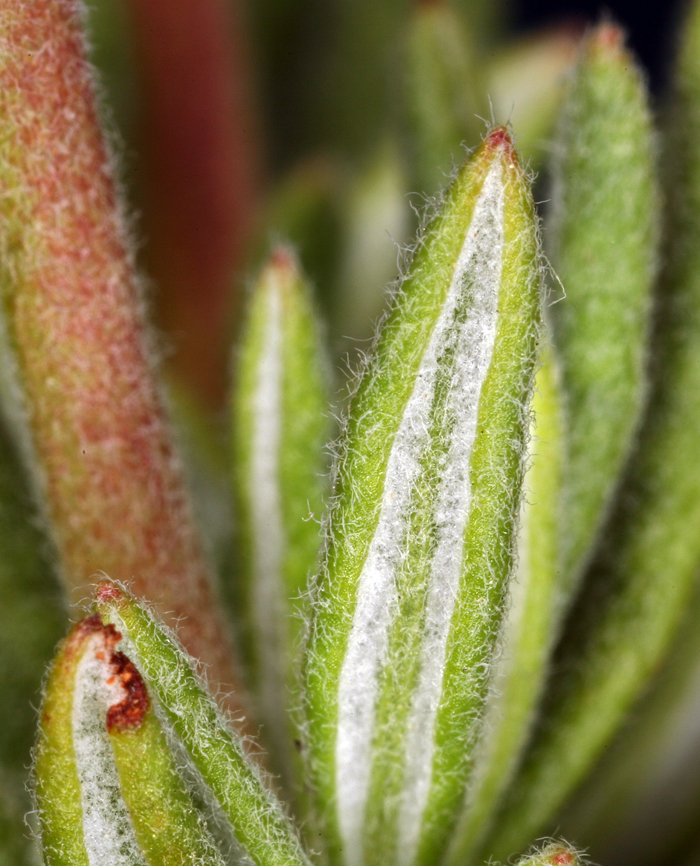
{"x":129,"y":712}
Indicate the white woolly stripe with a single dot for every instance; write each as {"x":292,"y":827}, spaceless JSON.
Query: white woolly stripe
{"x":266,"y":511}
{"x":481,"y":257}
{"x":368,"y":639}
{"x":107,"y":829}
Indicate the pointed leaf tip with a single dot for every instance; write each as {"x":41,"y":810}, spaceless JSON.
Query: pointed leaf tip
{"x":500,"y":137}
{"x":607,"y":36}
{"x":107,"y":592}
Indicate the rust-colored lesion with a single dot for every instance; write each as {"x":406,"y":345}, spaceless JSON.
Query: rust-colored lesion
{"x":130,"y":701}
{"x":130,"y":711}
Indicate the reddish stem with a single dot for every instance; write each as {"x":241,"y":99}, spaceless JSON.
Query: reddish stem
{"x":114,"y":485}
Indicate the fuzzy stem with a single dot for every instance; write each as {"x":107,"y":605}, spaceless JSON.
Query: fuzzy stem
{"x":113,"y":483}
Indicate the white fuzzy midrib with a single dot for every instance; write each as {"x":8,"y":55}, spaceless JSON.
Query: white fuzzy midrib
{"x":268,"y":537}
{"x":108,"y":833}
{"x":369,"y":635}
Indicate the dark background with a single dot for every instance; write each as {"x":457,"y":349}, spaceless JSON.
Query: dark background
{"x":327,"y":70}
{"x":651,"y":26}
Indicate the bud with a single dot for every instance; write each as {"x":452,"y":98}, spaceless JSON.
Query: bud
{"x":257,"y":818}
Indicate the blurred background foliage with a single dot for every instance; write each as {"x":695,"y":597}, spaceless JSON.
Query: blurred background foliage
{"x":321,"y":134}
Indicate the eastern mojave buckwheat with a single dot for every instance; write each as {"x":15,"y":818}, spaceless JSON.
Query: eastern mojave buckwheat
{"x":413,"y":614}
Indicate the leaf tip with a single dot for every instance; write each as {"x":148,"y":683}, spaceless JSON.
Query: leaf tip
{"x":499,"y":142}
{"x":108,"y":593}
{"x":562,"y":857}
{"x":500,"y":137}
{"x":607,"y":37}
{"x":283,"y":259}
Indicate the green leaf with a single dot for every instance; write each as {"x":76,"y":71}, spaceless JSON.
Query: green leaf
{"x":420,"y":537}
{"x":257,"y":818}
{"x":83,"y":818}
{"x":106,"y":783}
{"x":168,"y":828}
{"x":442,"y":92}
{"x":280,"y":429}
{"x":646,"y":570}
{"x":604,"y":228}
{"x":527,"y":636}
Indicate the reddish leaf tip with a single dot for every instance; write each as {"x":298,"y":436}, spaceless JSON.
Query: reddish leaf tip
{"x":562,"y":858}
{"x":608,"y":36}
{"x":283,"y":258}
{"x":501,"y":139}
{"x":107,"y":592}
